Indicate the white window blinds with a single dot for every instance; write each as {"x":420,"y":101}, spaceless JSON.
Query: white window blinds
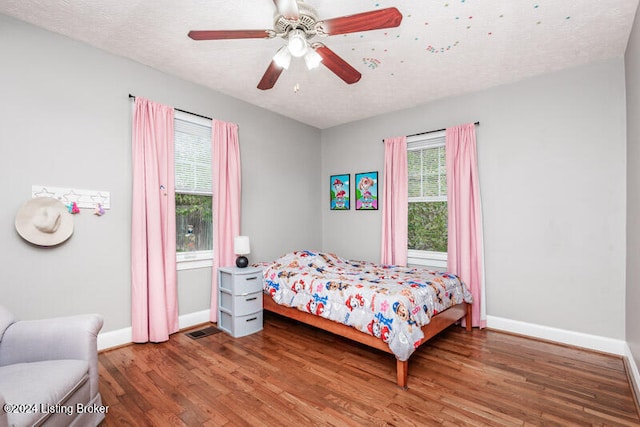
{"x":193,"y":155}
{"x":427,"y":169}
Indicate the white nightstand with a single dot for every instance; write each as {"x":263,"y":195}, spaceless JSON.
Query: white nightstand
{"x":240,"y":300}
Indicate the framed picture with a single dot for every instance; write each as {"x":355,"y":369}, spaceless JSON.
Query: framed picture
{"x":367,"y":191}
{"x":339,"y":192}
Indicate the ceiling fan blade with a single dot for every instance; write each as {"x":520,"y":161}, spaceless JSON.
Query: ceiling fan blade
{"x":337,"y":65}
{"x":231,"y":34}
{"x":374,"y":20}
{"x":270,"y":76}
{"x":288,"y":9}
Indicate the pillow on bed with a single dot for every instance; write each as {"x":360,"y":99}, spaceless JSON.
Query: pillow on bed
{"x":312,"y":259}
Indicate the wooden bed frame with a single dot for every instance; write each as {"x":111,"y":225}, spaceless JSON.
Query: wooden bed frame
{"x":438,"y":323}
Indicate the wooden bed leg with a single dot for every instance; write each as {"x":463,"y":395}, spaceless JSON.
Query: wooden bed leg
{"x":402,"y":371}
{"x":468,"y":318}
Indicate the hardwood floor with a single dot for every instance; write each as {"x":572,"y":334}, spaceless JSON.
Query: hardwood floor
{"x":293,"y":374}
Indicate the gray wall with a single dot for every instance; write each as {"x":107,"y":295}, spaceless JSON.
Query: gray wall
{"x":552,"y":170}
{"x":632,"y":63}
{"x":65,"y":120}
{"x":553,"y":182}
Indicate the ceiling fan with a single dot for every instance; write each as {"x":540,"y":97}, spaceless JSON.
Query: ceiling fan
{"x":298,"y":24}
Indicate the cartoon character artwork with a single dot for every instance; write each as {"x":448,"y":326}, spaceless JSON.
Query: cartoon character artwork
{"x":286,"y":274}
{"x":381,"y":327}
{"x":367,"y":191}
{"x":355,"y":308}
{"x":317,"y":304}
{"x":333,"y":285}
{"x":340,"y":199}
{"x":355,"y":301}
{"x":316,"y":267}
{"x":409,"y":295}
{"x":340,"y":192}
{"x":272,"y":287}
{"x":403,"y":313}
{"x":378,"y":330}
{"x":298,"y":286}
{"x":366,"y":198}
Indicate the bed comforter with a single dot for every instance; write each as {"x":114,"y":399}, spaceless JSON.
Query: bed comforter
{"x":386,"y":301}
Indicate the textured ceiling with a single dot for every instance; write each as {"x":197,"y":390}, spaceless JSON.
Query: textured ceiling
{"x":442,"y":47}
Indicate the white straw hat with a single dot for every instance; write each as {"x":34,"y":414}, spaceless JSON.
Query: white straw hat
{"x":44,"y":221}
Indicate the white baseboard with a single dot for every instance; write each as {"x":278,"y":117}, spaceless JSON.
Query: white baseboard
{"x":192,"y":319}
{"x":123,"y":336}
{"x":114,"y":338}
{"x":634,"y":374}
{"x":578,"y":339}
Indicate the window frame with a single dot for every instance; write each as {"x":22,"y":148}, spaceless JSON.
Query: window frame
{"x":195,"y":259}
{"x":432,"y":259}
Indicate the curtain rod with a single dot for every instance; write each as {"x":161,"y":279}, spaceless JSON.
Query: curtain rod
{"x":431,"y":131}
{"x":182,"y":111}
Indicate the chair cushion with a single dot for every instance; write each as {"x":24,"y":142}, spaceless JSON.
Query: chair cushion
{"x":6,"y":319}
{"x":43,"y":385}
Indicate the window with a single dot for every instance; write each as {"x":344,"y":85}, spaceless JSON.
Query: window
{"x":428,"y":215}
{"x":194,"y":193}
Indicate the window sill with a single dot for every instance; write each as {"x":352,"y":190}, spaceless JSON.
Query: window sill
{"x":193,"y":260}
{"x":434,"y":260}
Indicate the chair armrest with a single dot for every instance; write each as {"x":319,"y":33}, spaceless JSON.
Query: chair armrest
{"x":73,"y":337}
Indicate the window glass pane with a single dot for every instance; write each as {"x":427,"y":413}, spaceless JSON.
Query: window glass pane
{"x":193,"y":174}
{"x":434,"y":172}
{"x":426,"y":161}
{"x":194,"y":223}
{"x":192,"y":157}
{"x":414,"y":164}
{"x":427,"y":173}
{"x":427,"y":227}
{"x":442,"y":173}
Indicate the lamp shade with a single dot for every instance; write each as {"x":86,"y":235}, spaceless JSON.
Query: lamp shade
{"x":283,"y":57}
{"x":241,"y":245}
{"x":312,"y":59}
{"x":297,"y":43}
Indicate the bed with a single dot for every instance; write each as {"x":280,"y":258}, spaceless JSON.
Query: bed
{"x":391,"y":308}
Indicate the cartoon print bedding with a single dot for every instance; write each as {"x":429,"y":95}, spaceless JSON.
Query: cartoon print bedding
{"x":387,"y":301}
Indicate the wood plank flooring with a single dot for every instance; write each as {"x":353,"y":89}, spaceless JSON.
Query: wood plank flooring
{"x":293,"y":374}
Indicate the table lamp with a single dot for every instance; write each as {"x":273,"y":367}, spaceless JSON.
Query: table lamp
{"x":241,"y":248}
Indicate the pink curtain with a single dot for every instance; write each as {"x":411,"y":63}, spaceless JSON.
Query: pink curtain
{"x":465,"y":254}
{"x":395,"y":205}
{"x":226,"y":200}
{"x":154,"y":301}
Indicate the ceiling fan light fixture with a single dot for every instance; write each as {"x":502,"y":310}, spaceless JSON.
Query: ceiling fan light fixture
{"x":297,"y":43}
{"x":297,"y":23}
{"x":312,"y":59}
{"x":283,"y":57}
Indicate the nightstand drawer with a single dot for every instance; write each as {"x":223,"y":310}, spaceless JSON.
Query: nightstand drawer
{"x":240,"y":305}
{"x":239,"y":326}
{"x":248,"y":283}
{"x":241,"y":284}
{"x":247,"y":304}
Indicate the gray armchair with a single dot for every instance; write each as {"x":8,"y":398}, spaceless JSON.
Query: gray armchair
{"x":49,"y":371}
